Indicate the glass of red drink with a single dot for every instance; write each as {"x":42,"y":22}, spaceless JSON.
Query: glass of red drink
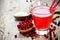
{"x":42,"y":19}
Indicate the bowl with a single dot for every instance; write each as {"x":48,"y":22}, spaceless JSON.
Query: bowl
{"x":56,"y":14}
{"x":25,"y":30}
{"x":21,"y":16}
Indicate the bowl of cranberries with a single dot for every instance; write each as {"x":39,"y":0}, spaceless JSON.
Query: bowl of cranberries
{"x":25,"y":26}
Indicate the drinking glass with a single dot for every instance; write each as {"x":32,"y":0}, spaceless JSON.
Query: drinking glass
{"x":42,"y":19}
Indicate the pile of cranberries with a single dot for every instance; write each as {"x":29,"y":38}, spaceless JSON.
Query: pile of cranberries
{"x":26,"y":25}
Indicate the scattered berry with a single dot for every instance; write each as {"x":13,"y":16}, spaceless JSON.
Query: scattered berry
{"x":54,"y":34}
{"x":51,"y":25}
{"x":54,"y":22}
{"x":51,"y":38}
{"x":54,"y":28}
{"x":58,"y":23}
{"x":15,"y":36}
{"x":45,"y":35}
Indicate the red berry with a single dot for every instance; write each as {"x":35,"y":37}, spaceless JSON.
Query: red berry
{"x":51,"y":25}
{"x":45,"y":35}
{"x":54,"y":28}
{"x":50,"y":29}
{"x":15,"y":36}
{"x":50,"y":37}
{"x":58,"y":23}
{"x":31,"y":25}
{"x":22,"y":28}
{"x":50,"y":33}
{"x":27,"y":35}
{"x":25,"y":23}
{"x":18,"y":26}
{"x":30,"y":21}
{"x":54,"y":34}
{"x":54,"y":22}
{"x":19,"y":23}
{"x":32,"y":38}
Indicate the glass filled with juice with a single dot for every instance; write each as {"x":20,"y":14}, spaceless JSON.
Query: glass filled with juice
{"x":42,"y":19}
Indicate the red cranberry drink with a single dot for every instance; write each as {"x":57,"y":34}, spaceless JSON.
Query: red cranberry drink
{"x":42,"y":17}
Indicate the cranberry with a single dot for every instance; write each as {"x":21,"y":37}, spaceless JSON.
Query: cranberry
{"x":54,"y":34}
{"x":22,"y":28}
{"x":30,"y":21}
{"x":32,"y":38}
{"x":18,"y":26}
{"x":33,"y":34}
{"x":45,"y":35}
{"x":27,"y":35}
{"x":54,"y":22}
{"x":54,"y":28}
{"x":51,"y":25}
{"x":15,"y":36}
{"x":50,"y":29}
{"x":58,"y":23}
{"x":50,"y":33}
{"x":25,"y":23}
{"x":31,"y":25}
{"x":19,"y":23}
{"x":51,"y":38}
{"x":30,"y":34}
